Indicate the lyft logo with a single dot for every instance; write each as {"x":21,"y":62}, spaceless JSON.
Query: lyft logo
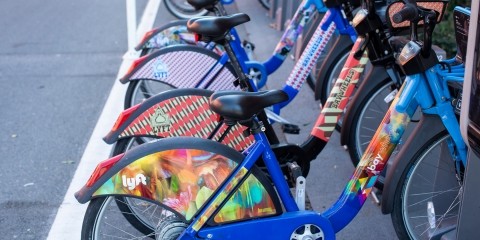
{"x":131,"y":183}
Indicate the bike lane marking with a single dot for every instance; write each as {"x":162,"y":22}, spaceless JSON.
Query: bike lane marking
{"x":68,"y":220}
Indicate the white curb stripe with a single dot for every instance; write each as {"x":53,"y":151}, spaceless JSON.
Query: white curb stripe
{"x":69,"y":218}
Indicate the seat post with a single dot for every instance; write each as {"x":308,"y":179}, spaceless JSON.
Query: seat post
{"x":242,"y":78}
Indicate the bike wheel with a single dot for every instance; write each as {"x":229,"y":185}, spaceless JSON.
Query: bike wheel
{"x":128,"y":206}
{"x":183,"y":10}
{"x":265,"y":4}
{"x":139,"y":90}
{"x":103,"y":219}
{"x":428,"y":194}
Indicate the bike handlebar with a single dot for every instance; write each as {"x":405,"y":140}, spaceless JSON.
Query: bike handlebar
{"x":408,"y":13}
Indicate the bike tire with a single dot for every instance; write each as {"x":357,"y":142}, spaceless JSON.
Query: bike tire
{"x":414,"y":190}
{"x":182,"y":10}
{"x":103,"y":209}
{"x":139,"y":90}
{"x":123,"y":203}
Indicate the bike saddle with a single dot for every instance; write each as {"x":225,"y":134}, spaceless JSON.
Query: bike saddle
{"x":238,"y":106}
{"x":199,"y":4}
{"x":215,"y":27}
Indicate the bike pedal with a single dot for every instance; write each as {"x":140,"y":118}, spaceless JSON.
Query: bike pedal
{"x":291,"y":129}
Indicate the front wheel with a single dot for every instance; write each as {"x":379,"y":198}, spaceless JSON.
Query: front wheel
{"x":427,"y":198}
{"x":183,"y":10}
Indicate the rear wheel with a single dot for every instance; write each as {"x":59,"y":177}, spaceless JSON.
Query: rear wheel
{"x":133,"y":209}
{"x":105,"y":219}
{"x":427,"y":198}
{"x":183,"y":10}
{"x":139,"y":90}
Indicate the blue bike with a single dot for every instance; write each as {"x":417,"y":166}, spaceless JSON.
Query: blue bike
{"x":206,"y":190}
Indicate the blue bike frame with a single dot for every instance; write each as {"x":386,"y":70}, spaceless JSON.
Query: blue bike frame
{"x":427,"y":90}
{"x":242,"y":230}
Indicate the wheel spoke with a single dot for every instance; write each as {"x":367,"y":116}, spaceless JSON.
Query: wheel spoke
{"x":435,"y":195}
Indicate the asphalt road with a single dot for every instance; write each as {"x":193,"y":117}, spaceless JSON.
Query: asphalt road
{"x":58,"y":62}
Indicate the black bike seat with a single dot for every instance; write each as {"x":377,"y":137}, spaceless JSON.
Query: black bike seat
{"x":216,"y":26}
{"x":235,"y":105}
{"x":199,"y":4}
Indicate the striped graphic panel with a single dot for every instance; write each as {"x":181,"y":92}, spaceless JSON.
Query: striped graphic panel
{"x":340,"y":94}
{"x":184,"y":116}
{"x":185,"y":69}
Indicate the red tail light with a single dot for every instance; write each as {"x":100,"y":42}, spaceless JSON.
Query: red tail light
{"x":124,"y":116}
{"x":135,"y":65}
{"x":147,"y":35}
{"x":102,"y":168}
{"x":198,"y":37}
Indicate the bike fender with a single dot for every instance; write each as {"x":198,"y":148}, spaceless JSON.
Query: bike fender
{"x":371,"y":79}
{"x":182,"y":174}
{"x":183,"y":66}
{"x":178,"y":112}
{"x":428,"y":127}
{"x":163,"y":36}
{"x":340,"y":45}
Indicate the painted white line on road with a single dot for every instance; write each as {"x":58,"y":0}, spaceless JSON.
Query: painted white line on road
{"x":69,"y":218}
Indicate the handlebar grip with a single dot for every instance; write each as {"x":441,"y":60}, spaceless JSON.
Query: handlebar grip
{"x":409,"y":12}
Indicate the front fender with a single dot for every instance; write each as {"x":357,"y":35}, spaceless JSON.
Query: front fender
{"x":428,"y":127}
{"x":182,"y":174}
{"x":179,"y":112}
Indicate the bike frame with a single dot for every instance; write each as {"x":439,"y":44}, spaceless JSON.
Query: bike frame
{"x":426,"y":90}
{"x":293,"y":216}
